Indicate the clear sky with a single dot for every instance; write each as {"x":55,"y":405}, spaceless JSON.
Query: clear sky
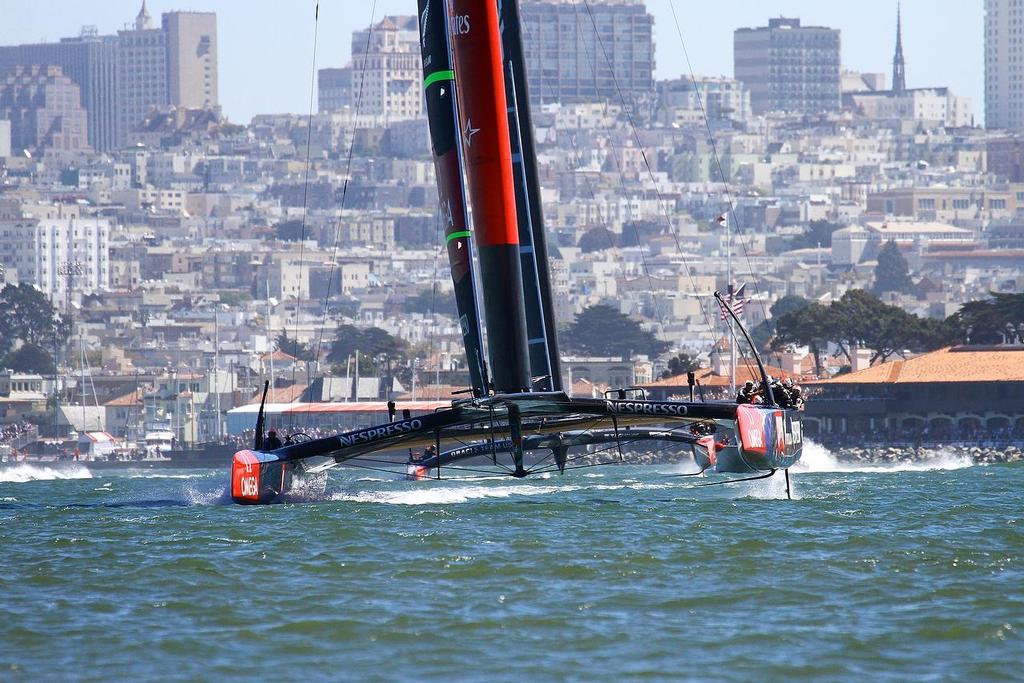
{"x":266,"y":46}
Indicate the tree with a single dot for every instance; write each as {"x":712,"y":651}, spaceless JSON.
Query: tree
{"x":293,"y":347}
{"x":26,"y":315}
{"x":819,"y":233}
{"x":29,"y":358}
{"x":602,"y":331}
{"x":808,"y":326}
{"x":679,"y":364}
{"x":597,"y":239}
{"x":428,"y":301}
{"x":289,"y":231}
{"x":369,"y":341}
{"x":638,"y":233}
{"x":892,"y":273}
{"x":861,"y":320}
{"x":764,"y":331}
{"x":997,"y":320}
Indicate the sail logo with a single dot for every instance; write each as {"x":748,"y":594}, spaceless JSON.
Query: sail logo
{"x":380,"y":432}
{"x":424,"y":18}
{"x":460,"y":25}
{"x":644,"y":408}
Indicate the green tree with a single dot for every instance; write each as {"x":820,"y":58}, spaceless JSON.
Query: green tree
{"x":892,"y":273}
{"x":29,"y":358}
{"x":369,"y":341}
{"x":602,"y":331}
{"x":810,"y":326}
{"x":679,"y":364}
{"x":26,"y":315}
{"x":861,"y":320}
{"x":293,"y":347}
{"x":997,"y":320}
{"x":597,"y":239}
{"x":289,"y":231}
{"x":428,"y":301}
{"x":764,"y":331}
{"x":818,"y":233}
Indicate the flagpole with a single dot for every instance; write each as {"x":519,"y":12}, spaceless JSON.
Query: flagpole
{"x":728,"y":279}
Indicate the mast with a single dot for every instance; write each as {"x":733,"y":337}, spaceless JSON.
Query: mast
{"x":545,"y":362}
{"x":442,"y":116}
{"x":479,"y":81}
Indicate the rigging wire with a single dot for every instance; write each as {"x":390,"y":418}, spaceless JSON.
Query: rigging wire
{"x":305,"y":195}
{"x":643,"y":154}
{"x":718,"y":160}
{"x":344,"y":195}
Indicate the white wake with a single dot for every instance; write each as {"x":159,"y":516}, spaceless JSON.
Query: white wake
{"x":817,"y":458}
{"x":22,"y":472}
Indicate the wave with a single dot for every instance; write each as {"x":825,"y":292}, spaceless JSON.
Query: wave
{"x":23,"y":472}
{"x":446,"y":495}
{"x":817,"y":458}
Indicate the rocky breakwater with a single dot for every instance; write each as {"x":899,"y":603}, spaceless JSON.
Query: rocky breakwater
{"x":895,"y":454}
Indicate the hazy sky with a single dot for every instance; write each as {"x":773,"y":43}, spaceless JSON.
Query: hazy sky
{"x":266,"y":46}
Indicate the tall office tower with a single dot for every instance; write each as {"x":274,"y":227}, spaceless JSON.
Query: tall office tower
{"x":1004,"y":64}
{"x":789,"y":67}
{"x":577,"y":54}
{"x":191,"y":58}
{"x":44,"y":109}
{"x":390,"y":83}
{"x":141,"y":71}
{"x":334,"y":89}
{"x":90,"y":61}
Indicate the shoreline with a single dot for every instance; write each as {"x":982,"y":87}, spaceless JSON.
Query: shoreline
{"x":881,"y":453}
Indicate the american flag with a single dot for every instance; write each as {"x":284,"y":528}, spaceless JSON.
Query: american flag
{"x":734,"y":300}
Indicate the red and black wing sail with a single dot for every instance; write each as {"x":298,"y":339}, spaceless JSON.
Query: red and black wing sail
{"x":442,"y":115}
{"x":487,"y":157}
{"x":545,"y":362}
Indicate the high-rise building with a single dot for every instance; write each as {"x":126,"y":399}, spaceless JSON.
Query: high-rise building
{"x":334,"y":89}
{"x":1004,"y":64}
{"x":44,"y":109}
{"x":90,"y":61}
{"x":389,"y":85}
{"x":383,"y":78}
{"x":141,"y":71}
{"x":121,"y":78}
{"x":191,"y":59}
{"x":587,"y":55}
{"x":789,"y":67}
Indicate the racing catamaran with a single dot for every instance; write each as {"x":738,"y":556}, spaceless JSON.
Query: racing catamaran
{"x":519,"y":417}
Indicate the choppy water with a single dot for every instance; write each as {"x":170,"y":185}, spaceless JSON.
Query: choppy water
{"x":913,"y":573}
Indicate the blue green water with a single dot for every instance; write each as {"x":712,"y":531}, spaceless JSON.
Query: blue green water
{"x":912,"y":573}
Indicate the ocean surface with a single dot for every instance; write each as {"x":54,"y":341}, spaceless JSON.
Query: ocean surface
{"x":870,"y":573}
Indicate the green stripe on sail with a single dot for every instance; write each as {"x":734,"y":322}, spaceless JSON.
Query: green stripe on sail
{"x":438,"y":76}
{"x":457,"y":235}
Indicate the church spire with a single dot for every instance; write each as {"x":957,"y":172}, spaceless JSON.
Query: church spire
{"x":899,"y":67}
{"x":142,"y":20}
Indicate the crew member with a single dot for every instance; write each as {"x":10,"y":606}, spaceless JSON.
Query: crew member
{"x":746,"y":393}
{"x":272,"y":442}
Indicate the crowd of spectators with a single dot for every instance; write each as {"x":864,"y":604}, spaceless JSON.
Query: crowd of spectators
{"x":17,"y":430}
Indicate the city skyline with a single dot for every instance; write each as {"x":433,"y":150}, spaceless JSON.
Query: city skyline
{"x":277,"y":42}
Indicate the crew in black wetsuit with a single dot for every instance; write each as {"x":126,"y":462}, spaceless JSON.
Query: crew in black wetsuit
{"x":746,"y":393}
{"x":272,"y":442}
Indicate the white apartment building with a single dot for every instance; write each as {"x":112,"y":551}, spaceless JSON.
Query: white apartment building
{"x":919,"y":104}
{"x":56,"y":250}
{"x":1004,"y":64}
{"x":393,"y":71}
